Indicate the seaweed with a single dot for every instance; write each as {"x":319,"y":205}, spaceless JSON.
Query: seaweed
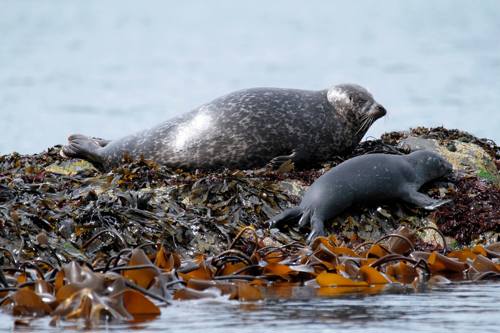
{"x":80,"y":244}
{"x":134,"y":285}
{"x":475,"y":210}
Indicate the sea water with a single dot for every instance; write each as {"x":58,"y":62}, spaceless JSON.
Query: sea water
{"x":110,"y":68}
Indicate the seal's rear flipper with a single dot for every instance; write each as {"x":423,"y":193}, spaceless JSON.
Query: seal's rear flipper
{"x":288,"y":216}
{"x":317,"y":228}
{"x":101,"y":142}
{"x":84,"y":147}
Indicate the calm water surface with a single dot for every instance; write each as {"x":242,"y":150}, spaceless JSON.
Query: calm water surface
{"x":109,"y":68}
{"x":452,"y":308}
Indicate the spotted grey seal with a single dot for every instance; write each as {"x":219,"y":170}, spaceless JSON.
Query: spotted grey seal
{"x":366,"y":179}
{"x":245,"y":129}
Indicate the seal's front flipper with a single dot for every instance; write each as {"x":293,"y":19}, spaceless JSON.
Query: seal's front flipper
{"x":295,"y":157}
{"x":424,"y":201}
{"x":437,"y":203}
{"x":279,"y":160}
{"x":84,"y":147}
{"x":288,"y":216}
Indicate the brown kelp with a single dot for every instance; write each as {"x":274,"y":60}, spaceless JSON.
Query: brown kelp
{"x":132,"y":286}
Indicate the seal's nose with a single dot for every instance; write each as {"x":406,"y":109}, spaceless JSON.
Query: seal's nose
{"x":381,"y":111}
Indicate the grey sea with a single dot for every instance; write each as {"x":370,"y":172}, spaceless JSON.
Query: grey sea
{"x":109,"y":68}
{"x":457,"y":308}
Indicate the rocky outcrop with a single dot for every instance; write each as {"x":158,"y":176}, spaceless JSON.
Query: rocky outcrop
{"x":66,"y":209}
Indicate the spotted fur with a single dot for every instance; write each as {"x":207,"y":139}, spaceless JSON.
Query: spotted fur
{"x":247,"y":128}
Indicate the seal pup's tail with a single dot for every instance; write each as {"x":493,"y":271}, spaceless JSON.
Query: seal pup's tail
{"x":84,"y":147}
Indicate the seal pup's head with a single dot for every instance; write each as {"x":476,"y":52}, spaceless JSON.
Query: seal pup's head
{"x":356,"y":105}
{"x":429,"y":165}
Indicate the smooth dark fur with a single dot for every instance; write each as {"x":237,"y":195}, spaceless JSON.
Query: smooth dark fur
{"x":366,"y":179}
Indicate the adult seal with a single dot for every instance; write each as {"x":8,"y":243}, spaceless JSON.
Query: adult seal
{"x":246,"y":129}
{"x":366,"y":179}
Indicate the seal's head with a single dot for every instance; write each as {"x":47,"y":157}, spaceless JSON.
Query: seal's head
{"x":356,"y":104}
{"x":429,"y":165}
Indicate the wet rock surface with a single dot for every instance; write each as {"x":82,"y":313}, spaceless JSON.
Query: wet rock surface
{"x":61,"y":210}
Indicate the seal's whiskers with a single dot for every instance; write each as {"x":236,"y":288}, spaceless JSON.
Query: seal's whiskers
{"x":366,"y":122}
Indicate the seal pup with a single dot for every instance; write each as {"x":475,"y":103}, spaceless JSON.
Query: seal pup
{"x":366,"y":179}
{"x":245,"y":129}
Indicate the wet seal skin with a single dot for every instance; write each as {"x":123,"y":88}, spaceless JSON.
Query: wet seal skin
{"x":366,"y":179}
{"x":245,"y":129}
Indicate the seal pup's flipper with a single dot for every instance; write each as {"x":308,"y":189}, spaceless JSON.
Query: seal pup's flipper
{"x":424,"y":201}
{"x":305,"y":218}
{"x":317,"y":228}
{"x":84,"y":147}
{"x":437,"y":203}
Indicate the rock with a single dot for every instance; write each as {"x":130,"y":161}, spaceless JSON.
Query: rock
{"x":292,"y":187}
{"x":71,"y":167}
{"x":466,"y":157}
{"x":412,"y":143}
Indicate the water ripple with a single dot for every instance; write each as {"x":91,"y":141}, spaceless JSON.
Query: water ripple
{"x":457,"y":308}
